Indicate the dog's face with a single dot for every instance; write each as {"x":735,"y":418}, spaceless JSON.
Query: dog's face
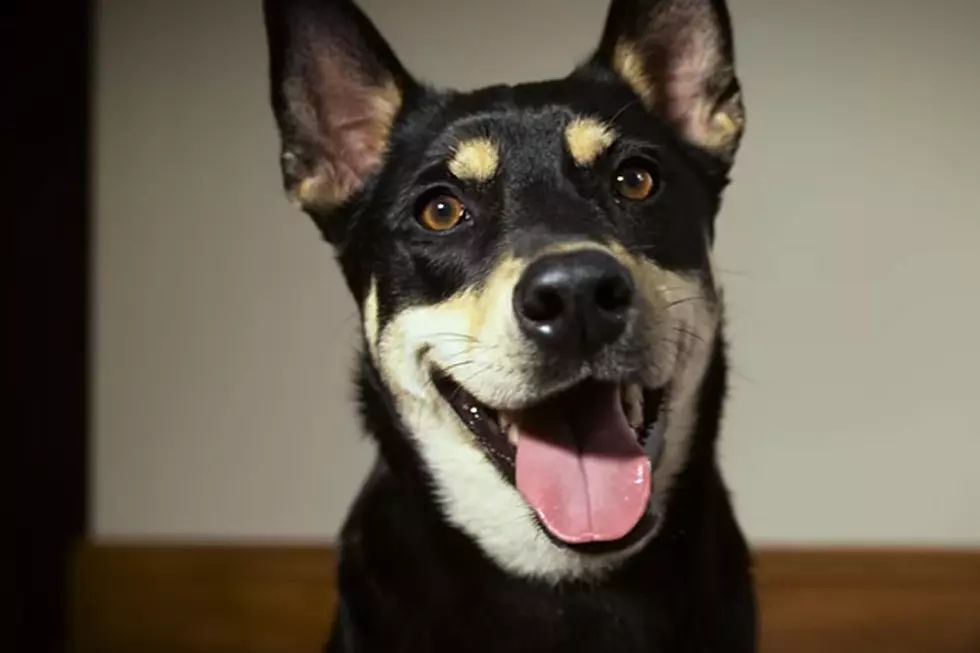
{"x":532,"y":263}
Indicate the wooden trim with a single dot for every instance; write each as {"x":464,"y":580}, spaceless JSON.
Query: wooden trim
{"x":265,"y":599}
{"x":894,"y":601}
{"x":202,"y":599}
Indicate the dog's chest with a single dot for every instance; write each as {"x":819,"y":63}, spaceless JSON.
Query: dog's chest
{"x":544,"y":622}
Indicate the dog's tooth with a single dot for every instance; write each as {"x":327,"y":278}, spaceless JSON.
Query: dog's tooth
{"x":634,"y":403}
{"x":504,"y":421}
{"x":513,"y":434}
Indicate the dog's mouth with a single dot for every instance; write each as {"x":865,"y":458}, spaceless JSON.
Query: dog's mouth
{"x":582,"y":458}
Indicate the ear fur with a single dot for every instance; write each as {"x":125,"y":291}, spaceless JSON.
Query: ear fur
{"x":678,"y":57}
{"x":336,"y":90}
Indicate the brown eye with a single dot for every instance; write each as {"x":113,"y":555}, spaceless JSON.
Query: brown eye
{"x":635,"y":181}
{"x":442,"y":213}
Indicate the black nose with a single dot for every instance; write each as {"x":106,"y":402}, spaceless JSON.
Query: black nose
{"x":574,"y":302}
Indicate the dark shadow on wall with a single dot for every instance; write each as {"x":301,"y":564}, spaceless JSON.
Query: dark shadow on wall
{"x":44,"y":121}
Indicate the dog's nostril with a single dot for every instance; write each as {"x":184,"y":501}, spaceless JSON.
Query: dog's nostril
{"x":543,"y":304}
{"x":614,"y":294}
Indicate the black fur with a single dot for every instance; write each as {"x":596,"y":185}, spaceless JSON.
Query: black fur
{"x":408,"y":580}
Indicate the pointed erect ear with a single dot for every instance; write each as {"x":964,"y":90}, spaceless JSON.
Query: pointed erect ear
{"x":336,"y":90}
{"x":678,"y":57}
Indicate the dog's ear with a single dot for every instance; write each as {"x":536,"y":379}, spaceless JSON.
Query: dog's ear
{"x":336,"y":89}
{"x":678,"y":57}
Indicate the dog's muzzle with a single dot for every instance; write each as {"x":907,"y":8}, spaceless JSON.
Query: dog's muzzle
{"x":582,"y":455}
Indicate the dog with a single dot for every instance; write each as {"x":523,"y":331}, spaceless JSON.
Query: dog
{"x":543,"y":367}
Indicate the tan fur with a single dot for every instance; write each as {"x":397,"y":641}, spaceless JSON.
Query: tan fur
{"x":328,"y":185}
{"x":725,"y":127}
{"x":587,"y":139}
{"x":629,"y":66}
{"x":474,"y":337}
{"x":686,"y":335}
{"x":474,"y":333}
{"x":475,"y":160}
{"x":681,"y":95}
{"x":370,"y":317}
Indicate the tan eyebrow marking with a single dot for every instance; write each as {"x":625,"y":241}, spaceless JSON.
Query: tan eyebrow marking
{"x":475,"y":160}
{"x":587,"y":138}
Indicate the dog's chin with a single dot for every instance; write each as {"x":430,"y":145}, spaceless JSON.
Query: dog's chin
{"x":582,"y":458}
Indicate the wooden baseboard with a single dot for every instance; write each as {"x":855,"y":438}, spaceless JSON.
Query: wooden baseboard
{"x":844,"y":601}
{"x":280,"y":599}
{"x":202,"y":599}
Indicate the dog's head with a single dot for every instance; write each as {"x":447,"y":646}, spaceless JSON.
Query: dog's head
{"x":532,"y":262}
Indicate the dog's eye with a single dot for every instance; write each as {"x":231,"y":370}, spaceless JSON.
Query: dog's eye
{"x":636,"y":180}
{"x":442,"y":213}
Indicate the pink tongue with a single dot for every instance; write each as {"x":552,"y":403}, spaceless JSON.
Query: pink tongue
{"x":580,"y":467}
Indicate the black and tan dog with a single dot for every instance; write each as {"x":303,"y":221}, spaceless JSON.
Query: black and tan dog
{"x":543,"y":366}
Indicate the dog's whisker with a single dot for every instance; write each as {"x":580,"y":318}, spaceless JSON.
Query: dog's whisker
{"x":346,"y":320}
{"x":684,"y":300}
{"x":454,"y":335}
{"x":640,"y":249}
{"x":733,"y":273}
{"x":625,"y":107}
{"x":457,"y":365}
{"x":687,"y":331}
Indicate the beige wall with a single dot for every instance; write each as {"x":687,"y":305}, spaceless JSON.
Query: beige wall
{"x":849,"y":243}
